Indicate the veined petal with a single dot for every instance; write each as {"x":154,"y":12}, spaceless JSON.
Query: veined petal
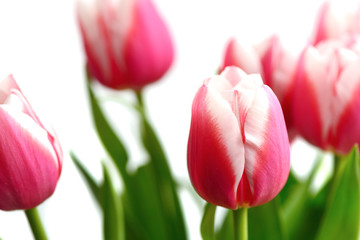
{"x":9,"y":88}
{"x":215,"y":149}
{"x":267,"y":154}
{"x":29,"y":165}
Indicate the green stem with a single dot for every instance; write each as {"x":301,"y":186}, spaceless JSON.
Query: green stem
{"x":140,"y":99}
{"x":34,"y":220}
{"x":240,"y":217}
{"x":337,"y":160}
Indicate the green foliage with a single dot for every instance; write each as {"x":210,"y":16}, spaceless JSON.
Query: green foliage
{"x":150,"y":199}
{"x":342,"y":215}
{"x":94,"y":188}
{"x":271,"y":226}
{"x":114,"y":227}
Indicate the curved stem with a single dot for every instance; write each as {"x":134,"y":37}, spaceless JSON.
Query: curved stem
{"x":240,"y":217}
{"x":36,"y":225}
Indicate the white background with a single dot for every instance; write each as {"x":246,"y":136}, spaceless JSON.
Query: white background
{"x":41,"y":46}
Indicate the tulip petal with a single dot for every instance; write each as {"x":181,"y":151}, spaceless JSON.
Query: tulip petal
{"x":346,"y":130}
{"x":93,"y":31}
{"x":242,"y":56}
{"x":9,"y":88}
{"x":267,"y":156}
{"x":215,"y":149}
{"x":149,"y":51}
{"x":23,"y":183}
{"x":306,"y":114}
{"x":6,"y":87}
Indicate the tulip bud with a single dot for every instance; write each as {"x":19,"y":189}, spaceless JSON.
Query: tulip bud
{"x":126,"y":42}
{"x":238,"y":148}
{"x":327,"y":96}
{"x":30,"y":154}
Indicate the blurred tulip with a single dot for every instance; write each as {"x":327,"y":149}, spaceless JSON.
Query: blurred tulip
{"x":126,"y":42}
{"x":243,"y":56}
{"x":274,"y":62}
{"x":336,"y":19}
{"x":30,"y":154}
{"x":238,"y":149}
{"x":327,"y":97}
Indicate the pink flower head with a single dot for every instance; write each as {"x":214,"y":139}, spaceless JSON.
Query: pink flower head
{"x":30,"y":154}
{"x":327,"y":96}
{"x":238,"y":149}
{"x":126,"y":42}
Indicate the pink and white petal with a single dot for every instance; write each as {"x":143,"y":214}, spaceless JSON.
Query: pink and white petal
{"x":320,"y":31}
{"x":307,"y":114}
{"x":234,"y":75}
{"x":93,"y":33}
{"x":332,"y":22}
{"x":267,"y":150}
{"x":279,"y":64}
{"x":244,"y":94}
{"x":29,"y":168}
{"x":6,"y":86}
{"x":346,"y":131}
{"x":243,"y":56}
{"x":215,"y":149}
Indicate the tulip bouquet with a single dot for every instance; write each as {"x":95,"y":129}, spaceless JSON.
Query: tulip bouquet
{"x":244,"y":121}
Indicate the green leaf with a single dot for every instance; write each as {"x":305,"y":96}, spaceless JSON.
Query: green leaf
{"x":144,"y":210}
{"x":342,"y":217}
{"x":94,"y":188}
{"x":312,"y":215}
{"x":164,"y":182}
{"x":108,"y":137}
{"x":271,"y":226}
{"x":207,"y":222}
{"x":114,"y":227}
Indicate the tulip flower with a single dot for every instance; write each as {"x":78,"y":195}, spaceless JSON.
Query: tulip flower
{"x":126,"y":42}
{"x":327,"y":96}
{"x":30,"y":154}
{"x":274,"y":62}
{"x":334,"y":20}
{"x":238,"y":148}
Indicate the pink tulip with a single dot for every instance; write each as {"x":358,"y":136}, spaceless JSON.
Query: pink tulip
{"x":126,"y":42}
{"x":327,"y":96}
{"x":274,"y":62}
{"x":336,"y":20}
{"x":30,"y":154}
{"x":238,"y":149}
